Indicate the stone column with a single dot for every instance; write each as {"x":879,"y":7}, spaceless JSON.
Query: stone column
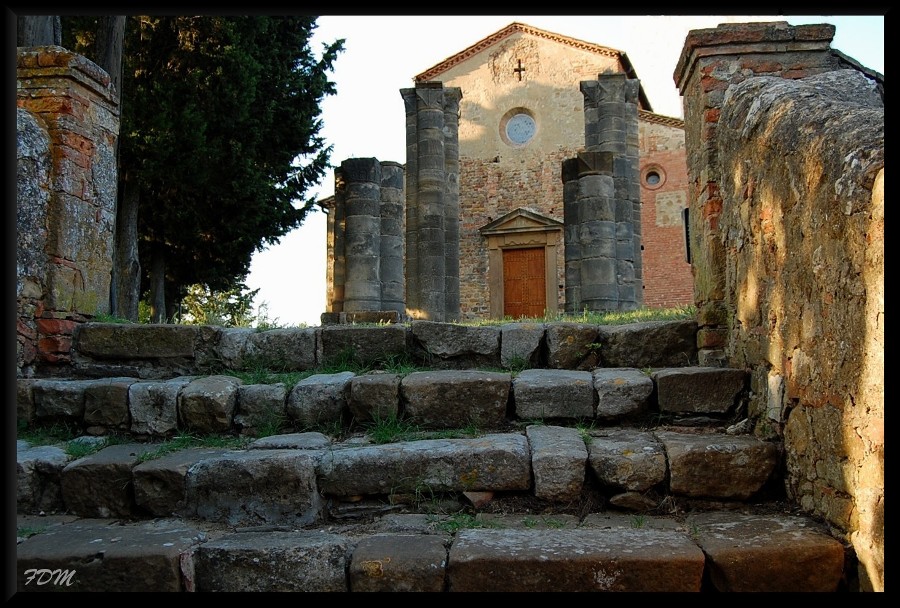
{"x":411,"y":253}
{"x":430,"y":203}
{"x":337,"y":261}
{"x":633,"y":186}
{"x":451,"y":202}
{"x":67,"y":126}
{"x":571,"y":235}
{"x":432,"y":184}
{"x":596,"y":203}
{"x":392,"y":211}
{"x":601,"y":211}
{"x":710,"y":61}
{"x":362,"y":234}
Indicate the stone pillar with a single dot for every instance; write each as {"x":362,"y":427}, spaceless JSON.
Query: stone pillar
{"x":432,"y":169}
{"x":67,"y":128}
{"x":413,"y":302}
{"x":710,"y":61}
{"x":392,"y":211}
{"x":632,"y":190}
{"x":602,"y":201}
{"x":431,"y":236}
{"x":571,"y":235}
{"x":451,"y":202}
{"x":596,"y":204}
{"x":337,"y":262}
{"x":365,"y":239}
{"x":362,"y":234}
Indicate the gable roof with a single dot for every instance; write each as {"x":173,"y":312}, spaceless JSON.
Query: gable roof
{"x":515,"y":27}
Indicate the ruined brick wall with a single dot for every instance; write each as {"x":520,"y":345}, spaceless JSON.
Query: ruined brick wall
{"x":67,"y":128}
{"x":710,"y":61}
{"x":787,"y":186}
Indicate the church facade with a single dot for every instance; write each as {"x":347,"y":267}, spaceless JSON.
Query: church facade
{"x":513,"y":113}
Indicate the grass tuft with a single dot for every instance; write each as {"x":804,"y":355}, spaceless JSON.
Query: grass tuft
{"x":390,"y":429}
{"x":182,"y":442}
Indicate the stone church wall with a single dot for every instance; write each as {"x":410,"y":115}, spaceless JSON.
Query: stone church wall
{"x":667,"y":273}
{"x":485,"y":192}
{"x":786,"y":162}
{"x":67,"y":127}
{"x":497,"y":177}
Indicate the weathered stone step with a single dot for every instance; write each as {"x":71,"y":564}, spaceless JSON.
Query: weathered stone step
{"x":436,"y":399}
{"x":299,"y":479}
{"x":163,"y":351}
{"x":714,"y":551}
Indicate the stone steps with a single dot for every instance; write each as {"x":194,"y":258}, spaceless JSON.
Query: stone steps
{"x":714,"y":551}
{"x":562,"y":477}
{"x":547,"y":508}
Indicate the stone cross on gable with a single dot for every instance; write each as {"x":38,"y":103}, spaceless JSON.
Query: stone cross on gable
{"x":519,"y":70}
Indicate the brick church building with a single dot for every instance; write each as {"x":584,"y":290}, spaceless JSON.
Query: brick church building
{"x":514,"y":110}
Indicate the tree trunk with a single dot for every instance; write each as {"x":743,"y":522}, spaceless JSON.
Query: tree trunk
{"x":127,"y":266}
{"x":39,"y":30}
{"x":158,"y":284}
{"x":110,"y":38}
{"x":125,"y":284}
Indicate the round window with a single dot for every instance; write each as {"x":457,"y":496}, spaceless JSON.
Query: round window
{"x":654,"y":177}
{"x":520,"y":128}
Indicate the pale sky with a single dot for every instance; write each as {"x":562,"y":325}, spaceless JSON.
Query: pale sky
{"x":384,"y":53}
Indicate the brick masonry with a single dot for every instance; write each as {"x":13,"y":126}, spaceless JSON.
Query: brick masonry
{"x":67,"y":127}
{"x":785,"y":149}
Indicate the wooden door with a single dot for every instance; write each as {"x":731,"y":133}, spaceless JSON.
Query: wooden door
{"x":524,"y":287}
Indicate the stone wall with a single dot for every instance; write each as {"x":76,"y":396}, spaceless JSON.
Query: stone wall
{"x":786,"y":162}
{"x":667,"y":273}
{"x":67,"y":124}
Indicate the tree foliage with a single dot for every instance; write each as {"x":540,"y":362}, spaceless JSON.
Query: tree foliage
{"x":231,"y":308}
{"x":220,"y":135}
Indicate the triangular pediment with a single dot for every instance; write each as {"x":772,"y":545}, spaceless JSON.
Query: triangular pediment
{"x":435,"y":72}
{"x":521,"y":220}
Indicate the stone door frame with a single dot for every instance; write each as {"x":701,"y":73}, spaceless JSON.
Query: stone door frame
{"x":521,"y":229}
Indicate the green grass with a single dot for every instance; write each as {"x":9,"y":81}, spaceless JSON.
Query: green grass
{"x":108,"y":318}
{"x":694,"y":531}
{"x":471,"y":430}
{"x":390,"y":429}
{"x":64,"y":435}
{"x":601,"y":317}
{"x":271,"y":422}
{"x":516,"y":364}
{"x":54,"y":434}
{"x":585,"y":431}
{"x":399,"y":364}
{"x":549,"y":522}
{"x":80,"y":449}
{"x":29,"y":531}
{"x":182,"y":442}
{"x":261,"y":375}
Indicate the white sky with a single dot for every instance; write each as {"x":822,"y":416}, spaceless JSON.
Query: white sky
{"x":384,"y":53}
